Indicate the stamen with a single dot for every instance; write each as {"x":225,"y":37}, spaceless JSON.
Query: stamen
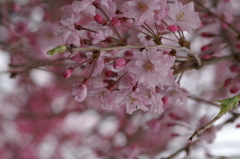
{"x":142,"y":6}
{"x":132,"y":100}
{"x":149,"y":66}
{"x":181,"y":16}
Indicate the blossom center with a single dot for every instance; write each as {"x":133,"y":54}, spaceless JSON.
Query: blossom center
{"x":148,"y":66}
{"x":142,"y":6}
{"x":181,"y":17}
{"x":132,"y":100}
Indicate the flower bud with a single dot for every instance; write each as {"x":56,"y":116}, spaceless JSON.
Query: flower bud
{"x":172,"y":28}
{"x":206,"y":47}
{"x":227,"y":82}
{"x":205,"y":56}
{"x":234,"y":68}
{"x":207,"y":35}
{"x":68,"y":73}
{"x":98,"y":18}
{"x":116,"y":22}
{"x":111,"y":74}
{"x":119,"y":63}
{"x":128,"y":53}
{"x":234,"y":90}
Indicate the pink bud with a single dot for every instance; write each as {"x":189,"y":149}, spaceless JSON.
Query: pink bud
{"x":207,"y":35}
{"x":234,"y":89}
{"x":234,"y":68}
{"x":206,"y":47}
{"x":238,"y":126}
{"x":68,"y":73}
{"x":110,"y":74}
{"x":98,"y":18}
{"x":116,"y":22}
{"x":227,"y":82}
{"x":119,"y":63}
{"x":128,"y":53}
{"x":174,"y":135}
{"x":172,"y":28}
{"x":206,"y":56}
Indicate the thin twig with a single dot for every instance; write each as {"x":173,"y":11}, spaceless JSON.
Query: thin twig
{"x":193,"y":65}
{"x":140,"y":47}
{"x":222,"y":20}
{"x":208,"y":125}
{"x":172,"y":156}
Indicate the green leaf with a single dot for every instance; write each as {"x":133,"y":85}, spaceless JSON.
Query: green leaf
{"x":228,"y":104}
{"x":58,"y":49}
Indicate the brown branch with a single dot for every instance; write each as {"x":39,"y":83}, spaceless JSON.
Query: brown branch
{"x":208,"y":125}
{"x":185,"y":148}
{"x":190,"y":65}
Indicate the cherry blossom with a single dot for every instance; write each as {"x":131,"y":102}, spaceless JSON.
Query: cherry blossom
{"x":67,"y":30}
{"x":118,"y":79}
{"x":79,"y":90}
{"x":184,"y":16}
{"x":150,"y":67}
{"x":141,"y":10}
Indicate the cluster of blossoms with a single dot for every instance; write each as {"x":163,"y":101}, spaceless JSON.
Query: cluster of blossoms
{"x":119,"y":55}
{"x":139,"y":76}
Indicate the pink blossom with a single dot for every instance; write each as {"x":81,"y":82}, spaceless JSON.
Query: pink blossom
{"x":102,"y":34}
{"x":225,"y":12}
{"x":161,"y":11}
{"x":131,"y":100}
{"x":153,"y":99}
{"x":150,"y":67}
{"x":67,"y":32}
{"x":141,"y":10}
{"x":109,"y":8}
{"x":184,"y":16}
{"x":107,"y":98}
{"x":79,"y":90}
{"x":97,"y":68}
{"x":174,"y":95}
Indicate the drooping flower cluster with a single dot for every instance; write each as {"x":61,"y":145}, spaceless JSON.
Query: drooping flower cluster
{"x":144,"y":76}
{"x":120,"y":55}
